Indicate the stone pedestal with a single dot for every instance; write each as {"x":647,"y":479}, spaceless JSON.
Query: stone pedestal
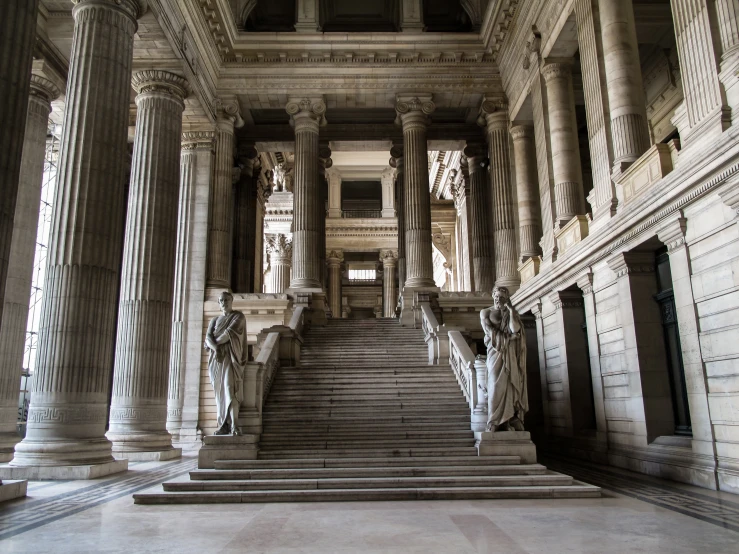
{"x":65,"y":438}
{"x":227,"y":447}
{"x":507,"y":443}
{"x":10,"y":490}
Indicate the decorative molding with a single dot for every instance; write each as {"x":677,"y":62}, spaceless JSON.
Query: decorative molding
{"x":156,"y":81}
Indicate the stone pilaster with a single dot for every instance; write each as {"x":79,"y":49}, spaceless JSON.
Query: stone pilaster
{"x":334,"y":192}
{"x":17,"y":33}
{"x":413,"y":112}
{"x":307,"y":16}
{"x":568,"y":191}
{"x":138,"y":409}
{"x":196,"y":164}
{"x":221,"y":199}
{"x":389,"y":261}
{"x":69,"y":412}
{"x":334,"y":259}
{"x":387,"y":178}
{"x":702,"y":112}
{"x":411,"y":16}
{"x":397,"y":163}
{"x":244,"y":226}
{"x":602,"y":197}
{"x":527,"y":189}
{"x":307,"y":116}
{"x":495,"y":114}
{"x":280,"y":251}
{"x":483,"y":260}
{"x":460,"y":187}
{"x":22,"y":250}
{"x":727,"y":15}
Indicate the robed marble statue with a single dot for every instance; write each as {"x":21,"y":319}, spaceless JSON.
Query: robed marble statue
{"x":226,"y":341}
{"x":506,"y":364}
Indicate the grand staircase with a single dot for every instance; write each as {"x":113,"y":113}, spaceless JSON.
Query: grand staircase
{"x":365,"y":418}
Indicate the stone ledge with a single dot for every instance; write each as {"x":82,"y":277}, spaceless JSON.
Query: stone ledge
{"x":151,"y":456}
{"x":651,"y":167}
{"x":63,"y":473}
{"x":227,"y":447}
{"x":507,"y":443}
{"x":10,"y":490}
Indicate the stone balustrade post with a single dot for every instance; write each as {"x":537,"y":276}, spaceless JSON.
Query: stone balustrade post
{"x":22,"y":251}
{"x":483,"y":259}
{"x":307,"y":116}
{"x":527,"y":191}
{"x":389,"y":261}
{"x":65,"y":436}
{"x":138,"y":409}
{"x":280,"y":251}
{"x":413,"y":112}
{"x":334,"y":259}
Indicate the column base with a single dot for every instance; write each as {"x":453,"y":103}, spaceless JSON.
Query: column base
{"x":150,"y":456}
{"x":227,"y":447}
{"x":10,"y":490}
{"x":63,"y":473}
{"x":507,"y":443}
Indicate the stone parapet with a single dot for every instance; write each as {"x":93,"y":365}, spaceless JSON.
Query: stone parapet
{"x":652,"y":166}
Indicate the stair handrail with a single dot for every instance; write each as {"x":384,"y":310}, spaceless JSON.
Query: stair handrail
{"x":268,"y":360}
{"x":462,"y":361}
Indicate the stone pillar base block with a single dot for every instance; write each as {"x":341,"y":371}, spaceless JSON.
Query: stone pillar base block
{"x":507,"y":443}
{"x":227,"y":447}
{"x":150,"y":456}
{"x":10,"y":490}
{"x":63,"y":473}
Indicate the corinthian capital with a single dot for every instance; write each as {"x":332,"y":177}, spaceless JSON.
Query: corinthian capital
{"x":162,"y":82}
{"x":556,"y":70}
{"x":279,"y":245}
{"x":135,"y":8}
{"x":389,"y":257}
{"x":306,"y":113}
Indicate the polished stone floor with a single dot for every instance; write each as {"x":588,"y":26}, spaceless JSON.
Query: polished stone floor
{"x":636,"y":514}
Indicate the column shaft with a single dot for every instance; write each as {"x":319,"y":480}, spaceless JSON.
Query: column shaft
{"x":419,"y":268}
{"x":527,"y":189}
{"x":280,"y":250}
{"x":568,"y":189}
{"x":244,"y":225}
{"x":544,"y":168}
{"x":20,"y":264}
{"x":138,"y":411}
{"x":483,"y":260}
{"x":397,"y":162}
{"x":221,"y":206}
{"x":462,"y":200}
{"x":68,"y":412}
{"x":334,"y":259}
{"x":389,"y":292}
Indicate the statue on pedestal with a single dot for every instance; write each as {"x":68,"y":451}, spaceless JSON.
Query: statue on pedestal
{"x":226,"y":340}
{"x":506,"y":364}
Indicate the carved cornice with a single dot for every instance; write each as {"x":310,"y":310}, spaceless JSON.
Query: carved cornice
{"x":156,"y":81}
{"x":585,"y":282}
{"x":672,"y":232}
{"x":496,"y":31}
{"x":632,"y":263}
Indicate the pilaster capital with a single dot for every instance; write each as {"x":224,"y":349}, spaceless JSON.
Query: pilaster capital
{"x":522,"y":132}
{"x":672,"y":232}
{"x":566,"y":299}
{"x":334,"y":258}
{"x":389,"y":258}
{"x":493,"y":113}
{"x":306,"y":113}
{"x":334,"y":176}
{"x":154,"y":81}
{"x":43,"y":88}
{"x":559,"y":69}
{"x":192,"y":140}
{"x":585,"y":282}
{"x":413,"y":110}
{"x":134,"y":8}
{"x":279,"y":246}
{"x":729,"y":194}
{"x":632,"y":263}
{"x":228,"y":113}
{"x":536,"y":309}
{"x":387,"y":177}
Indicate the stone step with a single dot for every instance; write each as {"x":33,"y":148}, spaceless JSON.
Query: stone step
{"x":295,"y":386}
{"x":359,"y":402}
{"x":550,"y":479}
{"x":339,"y":397}
{"x":374,"y":462}
{"x":351,"y":428}
{"x":271,"y":443}
{"x":285,"y":453}
{"x":576,"y":490}
{"x":365,"y":472}
{"x":400,"y":432}
{"x":334,"y":417}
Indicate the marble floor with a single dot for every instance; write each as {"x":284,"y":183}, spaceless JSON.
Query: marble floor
{"x":635,"y":514}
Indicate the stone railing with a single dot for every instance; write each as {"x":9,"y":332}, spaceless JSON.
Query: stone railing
{"x":436,"y":336}
{"x":462,"y":361}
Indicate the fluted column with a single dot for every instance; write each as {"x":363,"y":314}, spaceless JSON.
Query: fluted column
{"x":221,"y":200}
{"x":626,"y":102}
{"x":138,"y":409}
{"x":389,"y":261}
{"x":387,"y":178}
{"x":334,"y":259}
{"x":68,"y":412}
{"x":20,"y":264}
{"x":460,"y":187}
{"x":324,"y":163}
{"x":244,"y":226}
{"x":504,"y":222}
{"x":196,"y":163}
{"x":307,"y":116}
{"x":397,"y":163}
{"x":483,"y":260}
{"x":17,"y":33}
{"x":413,"y":112}
{"x":527,"y":190}
{"x":280,"y":251}
{"x":568,"y":191}
{"x":727,"y":15}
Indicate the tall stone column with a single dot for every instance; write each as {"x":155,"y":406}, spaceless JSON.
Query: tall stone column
{"x":397,"y":163}
{"x":17,"y":34}
{"x":264,"y":191}
{"x":65,"y":437}
{"x":196,"y":165}
{"x":460,"y":187}
{"x":413,"y":112}
{"x":504,"y":222}
{"x":138,"y":409}
{"x":221,"y":199}
{"x":22,"y":250}
{"x":244,"y":227}
{"x":527,"y":189}
{"x":387,"y":178}
{"x":280,"y":251}
{"x":727,"y":15}
{"x":389,"y":261}
{"x":483,"y":260}
{"x":307,"y":116}
{"x":568,"y":191}
{"x":334,"y":259}
{"x":626,"y":102}
{"x":324,"y":163}
{"x":334,"y":192}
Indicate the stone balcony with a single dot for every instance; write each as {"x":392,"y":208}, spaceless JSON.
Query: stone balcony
{"x":653,"y":166}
